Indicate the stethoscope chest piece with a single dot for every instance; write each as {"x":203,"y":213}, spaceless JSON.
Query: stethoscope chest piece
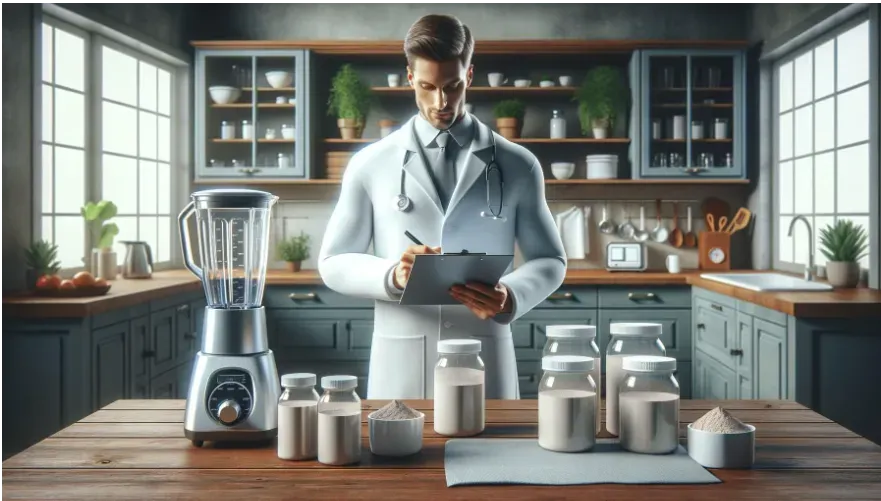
{"x":403,"y":203}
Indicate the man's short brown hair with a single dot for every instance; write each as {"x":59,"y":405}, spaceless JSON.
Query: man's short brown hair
{"x":439,"y":38}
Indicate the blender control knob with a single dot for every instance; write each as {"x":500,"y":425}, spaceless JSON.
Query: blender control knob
{"x":228,"y":411}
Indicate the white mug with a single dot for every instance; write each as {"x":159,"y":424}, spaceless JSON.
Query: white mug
{"x":394,"y":80}
{"x":672,"y":262}
{"x":565,"y":80}
{"x":496,"y":79}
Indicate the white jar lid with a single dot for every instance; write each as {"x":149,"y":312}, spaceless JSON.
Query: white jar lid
{"x":460,"y":346}
{"x":571,"y":331}
{"x":648,"y":363}
{"x":298,"y":380}
{"x":635,"y":329}
{"x":567,"y":363}
{"x":339,"y":382}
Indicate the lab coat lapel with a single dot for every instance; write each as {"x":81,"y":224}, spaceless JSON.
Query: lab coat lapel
{"x":413,"y":164}
{"x":479,"y":157}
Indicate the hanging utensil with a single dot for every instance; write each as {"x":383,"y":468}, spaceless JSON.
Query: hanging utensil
{"x":660,"y":233}
{"x":690,"y":237}
{"x":739,"y":221}
{"x":641,"y":234}
{"x":710,"y":226}
{"x":676,"y":236}
{"x":606,"y":226}
{"x":627,"y":229}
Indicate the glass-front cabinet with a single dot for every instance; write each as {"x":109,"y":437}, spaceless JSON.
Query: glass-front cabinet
{"x":248,"y":120}
{"x":693,"y":114}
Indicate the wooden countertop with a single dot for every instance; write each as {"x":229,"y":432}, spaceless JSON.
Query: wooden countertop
{"x":135,"y":449}
{"x":838,"y":303}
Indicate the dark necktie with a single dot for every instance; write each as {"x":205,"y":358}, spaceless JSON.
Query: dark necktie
{"x":444,"y":167}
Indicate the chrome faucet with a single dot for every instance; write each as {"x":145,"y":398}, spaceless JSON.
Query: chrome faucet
{"x":809,"y":269}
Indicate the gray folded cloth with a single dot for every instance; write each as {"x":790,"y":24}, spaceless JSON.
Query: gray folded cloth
{"x":472,"y":461}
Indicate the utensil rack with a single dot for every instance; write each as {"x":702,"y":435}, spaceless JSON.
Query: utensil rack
{"x":650,"y":212}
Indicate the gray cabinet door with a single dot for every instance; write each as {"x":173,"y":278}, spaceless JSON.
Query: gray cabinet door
{"x":165,"y":385}
{"x":321,"y":334}
{"x":110,"y":345}
{"x":715,"y":329}
{"x":712,"y":379}
{"x":139,"y":357}
{"x":771,"y":360}
{"x":744,"y":355}
{"x":162,"y":340}
{"x":184,"y":333}
{"x":676,"y":328}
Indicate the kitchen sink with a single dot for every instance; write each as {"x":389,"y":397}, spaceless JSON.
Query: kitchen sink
{"x":766,"y":282}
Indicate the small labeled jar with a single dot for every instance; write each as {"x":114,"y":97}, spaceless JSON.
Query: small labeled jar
{"x":558,"y":125}
{"x":648,"y":404}
{"x":287,"y":131}
{"x":568,"y":404}
{"x":697,"y":130}
{"x":227,"y":130}
{"x":577,"y":340}
{"x":627,"y":339}
{"x":339,"y":421}
{"x":298,"y":417}
{"x":720,"y":128}
{"x":283,"y":161}
{"x":247,"y":130}
{"x":459,"y":388}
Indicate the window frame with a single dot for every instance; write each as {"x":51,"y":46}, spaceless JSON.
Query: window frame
{"x":787,"y":57}
{"x":94,"y":41}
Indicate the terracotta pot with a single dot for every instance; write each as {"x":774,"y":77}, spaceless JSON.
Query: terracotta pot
{"x":294,"y":266}
{"x":508,"y":127}
{"x":843,"y":274}
{"x":350,"y":128}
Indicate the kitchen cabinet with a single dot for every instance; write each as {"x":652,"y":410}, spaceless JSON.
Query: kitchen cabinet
{"x":259,"y":128}
{"x":693,"y":114}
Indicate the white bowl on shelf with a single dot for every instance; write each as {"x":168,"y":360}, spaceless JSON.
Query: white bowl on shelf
{"x":522,"y":82}
{"x":223,"y":94}
{"x":279,"y":79}
{"x":563,"y":170}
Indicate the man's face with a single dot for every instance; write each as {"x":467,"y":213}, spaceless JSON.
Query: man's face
{"x":440,"y":89}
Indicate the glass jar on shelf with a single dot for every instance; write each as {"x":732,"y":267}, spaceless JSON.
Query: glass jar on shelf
{"x":558,"y":125}
{"x":720,"y":128}
{"x":227,"y":130}
{"x":247,"y":130}
{"x":287,"y":131}
{"x":697,"y":129}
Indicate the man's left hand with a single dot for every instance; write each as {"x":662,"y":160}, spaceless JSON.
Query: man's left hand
{"x":483,"y":300}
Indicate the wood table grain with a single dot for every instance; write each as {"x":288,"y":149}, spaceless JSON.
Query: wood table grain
{"x":135,"y":449}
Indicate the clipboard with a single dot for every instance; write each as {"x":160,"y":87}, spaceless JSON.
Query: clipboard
{"x":433,"y":275}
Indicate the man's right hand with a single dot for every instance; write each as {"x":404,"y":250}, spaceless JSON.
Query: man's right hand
{"x":402,"y":270}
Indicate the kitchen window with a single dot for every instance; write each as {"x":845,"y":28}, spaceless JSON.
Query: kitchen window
{"x":108,"y":133}
{"x":821,"y":145}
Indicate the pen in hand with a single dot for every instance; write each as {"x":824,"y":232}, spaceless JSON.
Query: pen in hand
{"x":411,"y":237}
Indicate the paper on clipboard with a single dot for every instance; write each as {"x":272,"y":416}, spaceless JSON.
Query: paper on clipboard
{"x":433,"y":275}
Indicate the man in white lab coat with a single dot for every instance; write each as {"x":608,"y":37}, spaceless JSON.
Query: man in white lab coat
{"x":430,"y":178}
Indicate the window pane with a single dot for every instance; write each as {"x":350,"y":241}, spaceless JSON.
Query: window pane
{"x":864,"y":222}
{"x":48,"y":112}
{"x":853,"y":173}
{"x":119,"y":134}
{"x":70,"y":180}
{"x":804,"y":82}
{"x":853,"y":116}
{"x":118,"y":183}
{"x":824,"y":69}
{"x":70,"y":60}
{"x":784,"y":86}
{"x":820,"y":222}
{"x":148,"y":230}
{"x":784,"y":251}
{"x":784,"y":193}
{"x":801,"y":242}
{"x":147,"y":133}
{"x":163,"y":189}
{"x":147,"y":188}
{"x":163,"y":243}
{"x":164,"y":92}
{"x":46,"y":179}
{"x":853,"y":56}
{"x":824,"y":124}
{"x":804,"y":186}
{"x":785,"y":144}
{"x":824,"y":183}
{"x":47,"y":53}
{"x":119,"y":77}
{"x":804,"y":130}
{"x":70,"y":235}
{"x":46,"y":229}
{"x":70,"y":118}
{"x":128,"y":230}
{"x":147,"y":86}
{"x":164,"y":139}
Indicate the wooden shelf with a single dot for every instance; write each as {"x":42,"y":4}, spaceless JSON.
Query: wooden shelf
{"x":522,"y":140}
{"x":572,"y":182}
{"x":508,"y":89}
{"x":232,"y":141}
{"x":282,"y":140}
{"x":694,"y":89}
{"x":276,"y":105}
{"x":270,"y":89}
{"x":249,"y":105}
{"x":232,"y":105}
{"x":693,"y":140}
{"x":695,"y":105}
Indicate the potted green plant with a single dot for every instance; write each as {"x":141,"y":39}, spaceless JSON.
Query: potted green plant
{"x":103,"y":260}
{"x":843,"y":244}
{"x":294,"y":251}
{"x":509,"y":117}
{"x":350,"y":100}
{"x":602,"y":94}
{"x":43,"y":265}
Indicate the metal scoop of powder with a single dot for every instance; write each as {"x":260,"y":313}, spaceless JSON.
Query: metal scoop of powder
{"x":395,"y":410}
{"x":719,"y":420}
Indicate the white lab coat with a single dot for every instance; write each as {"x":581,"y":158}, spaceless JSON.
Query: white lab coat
{"x":404,"y":344}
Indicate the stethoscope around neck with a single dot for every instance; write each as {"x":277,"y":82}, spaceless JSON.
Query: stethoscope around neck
{"x":404,"y":204}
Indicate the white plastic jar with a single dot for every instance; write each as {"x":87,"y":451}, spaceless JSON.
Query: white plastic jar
{"x":298,"y":417}
{"x":577,"y":340}
{"x":627,"y":339}
{"x":567,"y":404}
{"x":339,"y":421}
{"x":459,"y":388}
{"x":648,"y":404}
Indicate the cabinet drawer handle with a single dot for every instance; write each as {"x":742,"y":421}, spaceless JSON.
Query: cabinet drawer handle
{"x":183,"y":307}
{"x":701,"y":326}
{"x":302,"y":297}
{"x":561,"y":295}
{"x":716,"y":307}
{"x":737,"y":353}
{"x":639,"y":296}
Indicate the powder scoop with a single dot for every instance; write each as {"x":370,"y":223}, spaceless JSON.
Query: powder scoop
{"x":395,"y":430}
{"x":720,"y":440}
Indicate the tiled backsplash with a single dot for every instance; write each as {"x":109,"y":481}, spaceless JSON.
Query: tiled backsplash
{"x":292,"y":217}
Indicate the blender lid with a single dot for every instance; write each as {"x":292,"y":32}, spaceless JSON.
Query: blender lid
{"x":233,"y":198}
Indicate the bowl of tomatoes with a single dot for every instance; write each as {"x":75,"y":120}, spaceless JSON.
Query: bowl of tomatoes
{"x":83,"y":284}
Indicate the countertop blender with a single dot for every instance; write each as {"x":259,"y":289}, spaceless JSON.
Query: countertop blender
{"x":234,"y":386}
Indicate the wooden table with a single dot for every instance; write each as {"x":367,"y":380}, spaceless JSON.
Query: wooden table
{"x":135,"y":449}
